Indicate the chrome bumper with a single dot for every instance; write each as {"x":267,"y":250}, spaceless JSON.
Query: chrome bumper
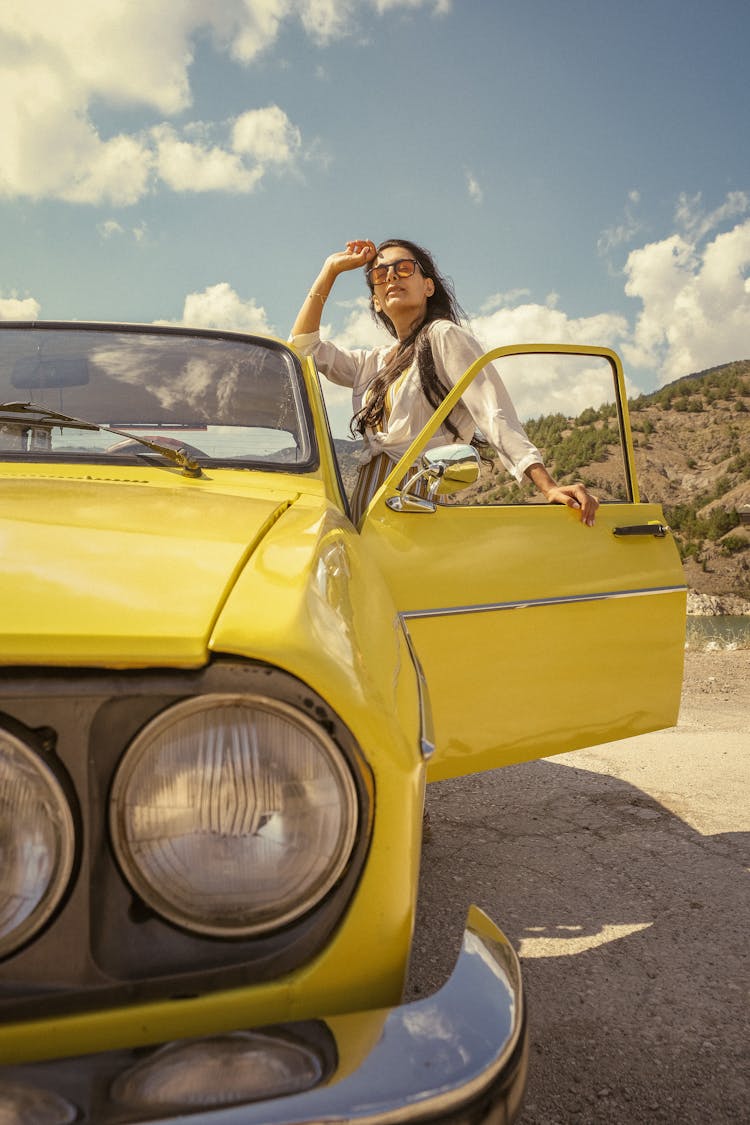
{"x":458,"y":1056}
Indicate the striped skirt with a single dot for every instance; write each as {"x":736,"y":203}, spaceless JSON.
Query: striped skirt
{"x":369,"y":479}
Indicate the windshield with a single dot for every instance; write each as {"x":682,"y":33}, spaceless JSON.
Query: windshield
{"x":226,"y":400}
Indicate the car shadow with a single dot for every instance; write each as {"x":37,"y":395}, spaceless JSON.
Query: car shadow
{"x":632,"y":931}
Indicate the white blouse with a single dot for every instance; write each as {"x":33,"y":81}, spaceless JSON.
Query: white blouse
{"x":485,"y":406}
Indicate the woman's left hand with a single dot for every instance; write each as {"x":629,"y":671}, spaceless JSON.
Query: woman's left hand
{"x":575,"y":496}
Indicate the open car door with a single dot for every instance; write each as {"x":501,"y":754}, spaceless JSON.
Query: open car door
{"x":535,"y":634}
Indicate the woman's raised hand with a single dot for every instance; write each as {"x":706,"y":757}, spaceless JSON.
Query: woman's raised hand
{"x":356,"y":254}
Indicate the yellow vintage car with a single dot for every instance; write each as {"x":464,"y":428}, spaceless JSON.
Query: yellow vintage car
{"x":220,"y":704}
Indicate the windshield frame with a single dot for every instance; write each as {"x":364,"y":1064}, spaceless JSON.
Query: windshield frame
{"x":300,"y":389}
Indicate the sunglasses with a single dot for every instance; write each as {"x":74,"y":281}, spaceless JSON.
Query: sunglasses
{"x":403,"y":267}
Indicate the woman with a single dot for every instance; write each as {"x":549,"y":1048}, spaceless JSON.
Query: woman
{"x":395,"y":389}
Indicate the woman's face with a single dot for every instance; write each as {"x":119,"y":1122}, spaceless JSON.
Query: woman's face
{"x":402,"y":299}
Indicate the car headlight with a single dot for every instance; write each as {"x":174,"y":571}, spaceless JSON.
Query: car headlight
{"x":243,"y":1066}
{"x":37,"y":842}
{"x":25,"y":1105}
{"x":232,"y":815}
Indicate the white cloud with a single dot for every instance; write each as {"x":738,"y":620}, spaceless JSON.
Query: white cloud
{"x":50,"y":149}
{"x":325,"y":20}
{"x":258,"y":139}
{"x":550,"y":386}
{"x":219,"y":306}
{"x":509,"y":297}
{"x":121,"y":52}
{"x":117,"y":169}
{"x":440,"y":7}
{"x":690,"y":216}
{"x":544,"y":324}
{"x":624,"y":231}
{"x":360,"y":330}
{"x":247,"y":26}
{"x":59,"y":59}
{"x":189,"y":166}
{"x":267,"y":135}
{"x":338,"y":402}
{"x":695,"y":296}
{"x":476,"y":195}
{"x":19,"y":308}
{"x":692,"y":285}
{"x":109,"y":228}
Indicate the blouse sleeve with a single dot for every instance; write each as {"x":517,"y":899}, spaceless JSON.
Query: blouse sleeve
{"x":487,"y":399}
{"x":337,"y":364}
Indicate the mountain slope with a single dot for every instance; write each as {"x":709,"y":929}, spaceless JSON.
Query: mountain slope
{"x":692,"y":442}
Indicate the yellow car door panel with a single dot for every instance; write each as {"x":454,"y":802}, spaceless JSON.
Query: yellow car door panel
{"x":535,"y":634}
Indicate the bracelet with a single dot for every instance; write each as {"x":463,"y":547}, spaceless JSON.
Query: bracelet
{"x":314,"y":293}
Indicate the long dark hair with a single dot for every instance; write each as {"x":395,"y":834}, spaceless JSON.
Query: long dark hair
{"x":441,"y":305}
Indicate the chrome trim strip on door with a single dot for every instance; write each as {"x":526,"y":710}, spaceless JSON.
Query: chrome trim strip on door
{"x":536,"y":603}
{"x":426,"y":725}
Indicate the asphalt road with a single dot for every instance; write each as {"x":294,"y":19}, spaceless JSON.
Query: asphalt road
{"x":620,"y":876}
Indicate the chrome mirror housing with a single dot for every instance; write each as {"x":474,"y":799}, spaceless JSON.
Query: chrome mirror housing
{"x":444,"y":469}
{"x":454,"y":466}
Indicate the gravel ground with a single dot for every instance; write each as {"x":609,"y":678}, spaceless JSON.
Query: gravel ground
{"x":620,"y":875}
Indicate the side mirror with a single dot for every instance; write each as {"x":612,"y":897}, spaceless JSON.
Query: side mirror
{"x":444,"y":469}
{"x":453,"y":466}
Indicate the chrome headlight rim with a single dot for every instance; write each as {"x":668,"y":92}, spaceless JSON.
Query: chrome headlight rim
{"x":34,"y":754}
{"x":139,"y":747}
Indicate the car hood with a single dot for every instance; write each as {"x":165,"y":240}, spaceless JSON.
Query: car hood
{"x":123,"y":573}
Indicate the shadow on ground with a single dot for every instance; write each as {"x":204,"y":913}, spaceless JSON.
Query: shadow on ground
{"x":632,"y":929}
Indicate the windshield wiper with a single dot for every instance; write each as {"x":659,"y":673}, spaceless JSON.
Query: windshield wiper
{"x":34,"y":415}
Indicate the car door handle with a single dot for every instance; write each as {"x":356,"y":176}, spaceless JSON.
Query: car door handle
{"x":657,"y":529}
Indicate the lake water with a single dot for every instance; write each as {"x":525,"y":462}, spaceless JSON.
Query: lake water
{"x":717,"y":632}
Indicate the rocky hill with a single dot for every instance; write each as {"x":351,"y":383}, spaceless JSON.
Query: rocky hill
{"x":692,"y":448}
{"x":692,"y":444}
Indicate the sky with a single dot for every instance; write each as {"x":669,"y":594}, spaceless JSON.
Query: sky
{"x":579,"y":168}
